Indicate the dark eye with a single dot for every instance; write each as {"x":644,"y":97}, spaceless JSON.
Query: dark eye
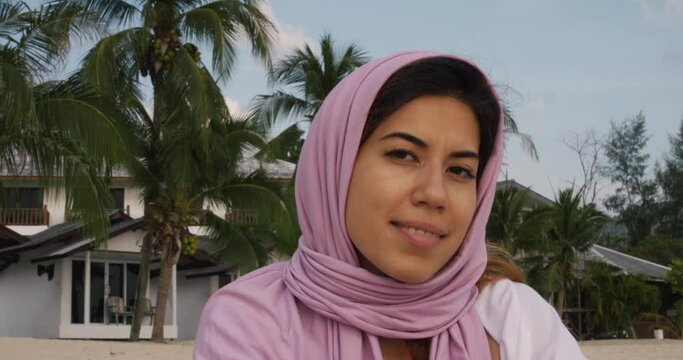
{"x":401,"y":154}
{"x":461,"y":171}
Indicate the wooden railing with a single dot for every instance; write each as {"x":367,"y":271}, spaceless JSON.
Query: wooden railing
{"x":233,"y":216}
{"x":25,"y":216}
{"x":75,"y":214}
{"x":243,"y":216}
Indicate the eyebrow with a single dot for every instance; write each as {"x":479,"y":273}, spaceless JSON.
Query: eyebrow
{"x":421,"y":144}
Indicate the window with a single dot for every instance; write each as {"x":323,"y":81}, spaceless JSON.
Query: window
{"x":77,"y":291}
{"x":106,"y":279}
{"x":117,"y":194}
{"x":225,"y":279}
{"x":24,"y":198}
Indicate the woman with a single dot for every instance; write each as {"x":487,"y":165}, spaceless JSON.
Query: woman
{"x":394,"y":187}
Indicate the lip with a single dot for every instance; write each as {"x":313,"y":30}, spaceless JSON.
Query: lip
{"x":418,"y":240}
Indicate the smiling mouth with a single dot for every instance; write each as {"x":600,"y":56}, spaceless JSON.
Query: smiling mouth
{"x":420,"y":235}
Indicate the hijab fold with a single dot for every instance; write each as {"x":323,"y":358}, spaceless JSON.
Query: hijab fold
{"x":324,"y":273}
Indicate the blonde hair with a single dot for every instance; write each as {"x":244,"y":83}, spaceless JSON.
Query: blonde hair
{"x":499,"y":266}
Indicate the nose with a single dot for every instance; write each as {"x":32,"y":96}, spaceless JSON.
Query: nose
{"x":430,"y":188}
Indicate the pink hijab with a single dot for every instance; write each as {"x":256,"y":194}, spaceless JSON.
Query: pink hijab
{"x":346,"y":307}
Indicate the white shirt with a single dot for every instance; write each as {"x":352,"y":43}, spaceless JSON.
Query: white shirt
{"x":524,"y":324}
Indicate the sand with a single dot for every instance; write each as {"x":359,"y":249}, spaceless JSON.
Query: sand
{"x":34,"y":349}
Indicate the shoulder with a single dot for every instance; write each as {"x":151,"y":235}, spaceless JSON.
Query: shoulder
{"x":244,"y":320}
{"x":524,"y":324}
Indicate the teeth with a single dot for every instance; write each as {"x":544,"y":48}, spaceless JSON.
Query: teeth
{"x":420,"y":232}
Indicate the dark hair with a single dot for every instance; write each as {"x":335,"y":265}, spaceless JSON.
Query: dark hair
{"x":440,"y":76}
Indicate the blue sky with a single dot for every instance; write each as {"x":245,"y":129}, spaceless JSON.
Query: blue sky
{"x":571,"y":65}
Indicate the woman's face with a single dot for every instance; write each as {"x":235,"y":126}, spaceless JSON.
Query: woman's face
{"x":413,"y":188}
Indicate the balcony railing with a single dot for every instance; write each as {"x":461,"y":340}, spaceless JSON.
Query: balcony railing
{"x":76,"y":214}
{"x":24,"y":216}
{"x":240,"y":216}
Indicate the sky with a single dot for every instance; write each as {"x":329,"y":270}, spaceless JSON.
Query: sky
{"x":566,"y":66}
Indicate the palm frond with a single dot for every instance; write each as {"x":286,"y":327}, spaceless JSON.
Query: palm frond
{"x":221,"y":23}
{"x":16,"y":103}
{"x":114,"y":63}
{"x":113,"y":12}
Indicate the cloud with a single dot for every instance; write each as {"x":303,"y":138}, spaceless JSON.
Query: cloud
{"x":289,"y":36}
{"x":234,"y":107}
{"x":664,"y":13}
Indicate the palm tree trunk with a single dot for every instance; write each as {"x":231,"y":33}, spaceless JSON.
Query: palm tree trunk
{"x":169,"y":257}
{"x":143,"y":277}
{"x":162,"y":294}
{"x":560,"y":300}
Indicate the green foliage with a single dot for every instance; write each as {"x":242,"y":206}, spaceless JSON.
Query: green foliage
{"x":188,"y":151}
{"x":675,"y":276}
{"x":634,"y":199}
{"x":312,"y":77}
{"x":670,"y":181}
{"x":657,"y":248}
{"x":571,"y":229}
{"x":615,"y":298}
{"x":513,"y":224}
{"x":69,"y":131}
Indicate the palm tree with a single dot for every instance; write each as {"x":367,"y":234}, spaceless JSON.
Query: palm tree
{"x":187,"y":152}
{"x":312,"y":77}
{"x":66,"y":129}
{"x":513,"y":224}
{"x":572,"y":229}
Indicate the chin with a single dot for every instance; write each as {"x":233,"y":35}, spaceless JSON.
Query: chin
{"x":411,"y":276}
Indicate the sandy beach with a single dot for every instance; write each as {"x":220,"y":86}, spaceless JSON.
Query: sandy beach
{"x":35,"y":349}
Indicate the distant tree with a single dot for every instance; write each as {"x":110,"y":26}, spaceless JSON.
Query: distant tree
{"x":615,"y":298}
{"x":634,"y":198}
{"x":587,"y":147}
{"x":658,"y":248}
{"x":670,"y":180}
{"x":675,"y":278}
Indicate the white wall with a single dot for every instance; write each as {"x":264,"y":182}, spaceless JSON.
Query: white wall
{"x":27,"y":230}
{"x":29,"y":304}
{"x":192,"y":296}
{"x":130,"y":241}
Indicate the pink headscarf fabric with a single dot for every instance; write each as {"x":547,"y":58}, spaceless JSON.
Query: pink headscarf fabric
{"x":346,"y":307}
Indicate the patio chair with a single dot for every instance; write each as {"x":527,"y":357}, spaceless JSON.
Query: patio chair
{"x":149,"y":310}
{"x":115,"y":307}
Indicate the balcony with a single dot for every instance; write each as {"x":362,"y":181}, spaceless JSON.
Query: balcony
{"x":236,"y":216}
{"x":24,"y":216}
{"x":76,"y":214}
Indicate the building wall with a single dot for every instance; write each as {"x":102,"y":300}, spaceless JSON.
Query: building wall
{"x":130,"y":241}
{"x":29,"y":304}
{"x":192,"y":296}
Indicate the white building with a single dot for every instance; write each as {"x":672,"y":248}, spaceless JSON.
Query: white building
{"x":56,"y":284}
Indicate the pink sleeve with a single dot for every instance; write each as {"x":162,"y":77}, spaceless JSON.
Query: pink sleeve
{"x":524,"y":324}
{"x":243,"y":321}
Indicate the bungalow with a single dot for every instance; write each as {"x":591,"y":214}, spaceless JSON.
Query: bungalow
{"x":56,"y":283}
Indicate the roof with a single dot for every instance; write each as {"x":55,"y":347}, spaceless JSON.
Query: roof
{"x":535,"y":198}
{"x":628,"y":264}
{"x":9,"y":237}
{"x":64,"y":232}
{"x":79,"y":244}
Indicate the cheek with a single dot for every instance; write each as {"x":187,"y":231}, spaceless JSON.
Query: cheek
{"x":463,"y":206}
